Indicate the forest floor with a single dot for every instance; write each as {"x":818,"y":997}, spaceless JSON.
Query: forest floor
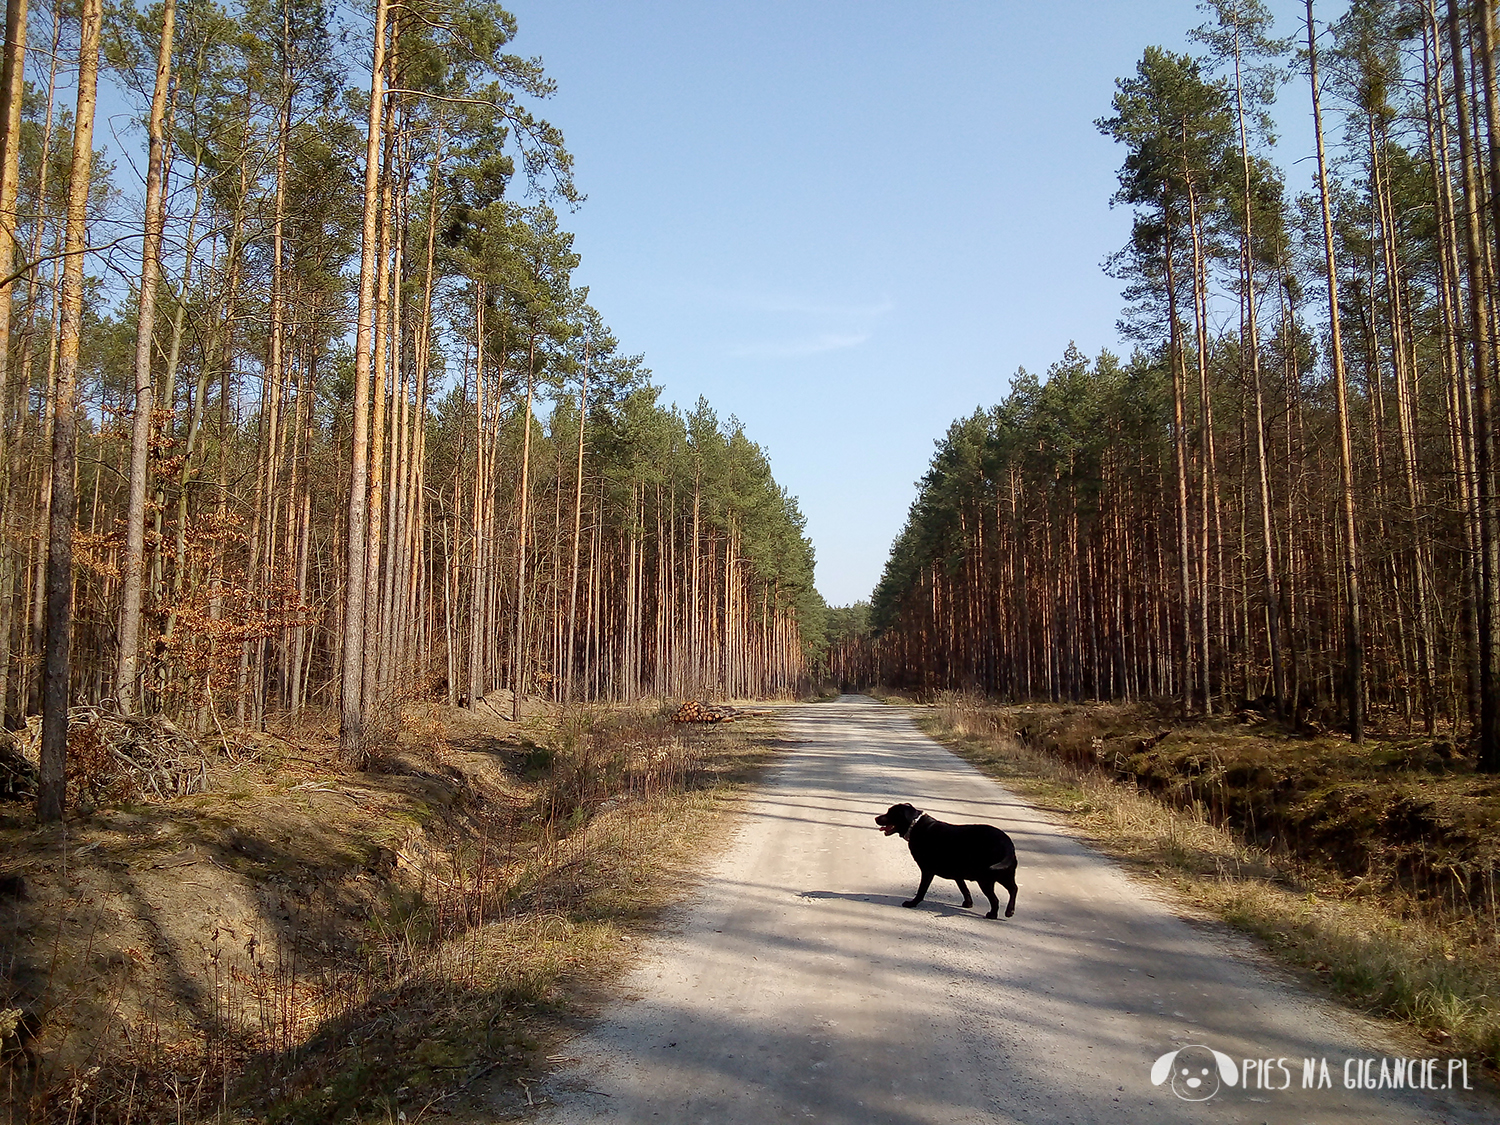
{"x":303,"y":942}
{"x":1369,"y":869}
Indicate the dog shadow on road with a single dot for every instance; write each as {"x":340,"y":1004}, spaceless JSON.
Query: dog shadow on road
{"x":886,"y":900}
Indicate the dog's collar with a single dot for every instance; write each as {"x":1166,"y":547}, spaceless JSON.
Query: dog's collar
{"x":915,"y":821}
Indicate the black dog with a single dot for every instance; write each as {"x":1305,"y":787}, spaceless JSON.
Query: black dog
{"x":956,"y":851}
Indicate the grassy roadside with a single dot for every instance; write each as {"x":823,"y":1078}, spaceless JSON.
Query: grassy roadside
{"x":302,"y":943}
{"x":1373,"y":939}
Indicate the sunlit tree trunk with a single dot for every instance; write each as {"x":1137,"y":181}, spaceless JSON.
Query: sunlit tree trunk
{"x":1482,"y":351}
{"x":1354,"y":625}
{"x":1207,"y":485}
{"x":351,"y":702}
{"x":126,"y":688}
{"x":384,"y":301}
{"x":583,"y":417}
{"x":1460,"y":432}
{"x":1179,"y":446}
{"x":1251,"y":344}
{"x":520,"y":663}
{"x":12,"y":91}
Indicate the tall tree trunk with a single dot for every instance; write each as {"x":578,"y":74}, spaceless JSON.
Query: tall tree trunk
{"x":416,"y":496}
{"x":12,"y":91}
{"x":583,"y":417}
{"x":1482,"y":351}
{"x":479,"y":538}
{"x":1460,"y":431}
{"x":1252,"y":344}
{"x":126,"y":688}
{"x":351,"y":701}
{"x":519,"y":641}
{"x":56,"y":659}
{"x":1179,"y":446}
{"x":1354,"y":625}
{"x":196,"y":411}
{"x":383,"y":303}
{"x":1207,"y":484}
{"x":225,"y":330}
{"x":1489,"y":735}
{"x":400,"y":460}
{"x":1402,"y":356}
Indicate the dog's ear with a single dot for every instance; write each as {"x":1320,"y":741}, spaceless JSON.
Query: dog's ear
{"x":1162,"y":1067}
{"x":1227,"y":1069}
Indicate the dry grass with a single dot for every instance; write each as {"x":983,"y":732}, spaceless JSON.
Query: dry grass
{"x":352,"y":946}
{"x":1432,"y":963}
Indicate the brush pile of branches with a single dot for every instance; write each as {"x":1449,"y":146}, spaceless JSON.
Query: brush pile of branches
{"x":17,"y":774}
{"x":114,"y":757}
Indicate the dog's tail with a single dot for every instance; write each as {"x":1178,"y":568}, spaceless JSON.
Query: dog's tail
{"x":1004,"y":865}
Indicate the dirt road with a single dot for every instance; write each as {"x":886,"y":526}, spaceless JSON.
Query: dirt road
{"x":793,"y":986}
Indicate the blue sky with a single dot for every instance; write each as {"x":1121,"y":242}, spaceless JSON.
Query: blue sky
{"x":845,"y":222}
{"x":848,"y":223}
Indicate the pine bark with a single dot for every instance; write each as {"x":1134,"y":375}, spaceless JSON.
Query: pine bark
{"x":1354,"y":625}
{"x":56,"y":658}
{"x":127,"y":691}
{"x":1482,"y":353}
{"x":352,"y":746}
{"x":12,"y":91}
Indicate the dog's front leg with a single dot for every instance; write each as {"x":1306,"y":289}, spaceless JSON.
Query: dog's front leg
{"x":921,"y":891}
{"x":964,"y":890}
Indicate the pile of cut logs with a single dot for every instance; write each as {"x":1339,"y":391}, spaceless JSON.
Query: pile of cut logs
{"x":694,"y":712}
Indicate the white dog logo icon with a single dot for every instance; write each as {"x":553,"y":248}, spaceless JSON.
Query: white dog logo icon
{"x":1195,"y":1071}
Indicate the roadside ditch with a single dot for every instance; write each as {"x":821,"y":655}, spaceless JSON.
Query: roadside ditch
{"x":282,"y":939}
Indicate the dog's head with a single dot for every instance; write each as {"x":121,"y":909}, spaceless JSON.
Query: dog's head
{"x":898,"y":819}
{"x":1196,"y":1072}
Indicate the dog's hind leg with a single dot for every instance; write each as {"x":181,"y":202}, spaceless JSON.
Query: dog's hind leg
{"x":921,"y":891}
{"x":1008,"y":881}
{"x":964,"y":890}
{"x":988,"y":887}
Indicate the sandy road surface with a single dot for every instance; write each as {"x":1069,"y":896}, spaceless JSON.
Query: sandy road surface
{"x":794,"y":987}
